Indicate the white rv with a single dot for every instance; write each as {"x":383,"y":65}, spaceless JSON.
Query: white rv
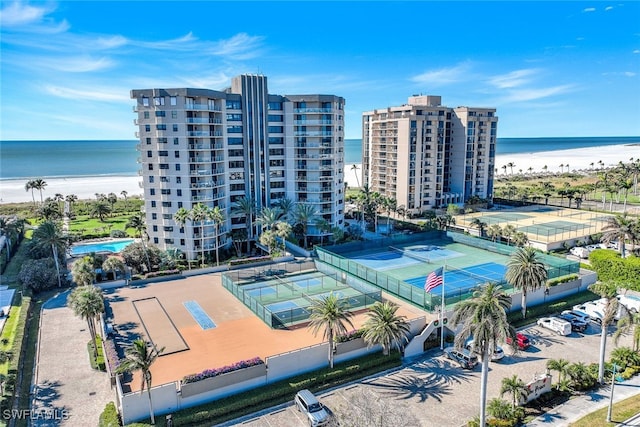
{"x":559,"y":326}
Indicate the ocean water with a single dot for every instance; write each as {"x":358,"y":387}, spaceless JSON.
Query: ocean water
{"x":49,"y":159}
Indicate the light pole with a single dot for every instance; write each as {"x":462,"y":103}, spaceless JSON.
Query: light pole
{"x":613,"y":383}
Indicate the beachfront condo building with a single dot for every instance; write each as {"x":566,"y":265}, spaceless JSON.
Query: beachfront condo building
{"x":425,"y":155}
{"x":229,"y":147}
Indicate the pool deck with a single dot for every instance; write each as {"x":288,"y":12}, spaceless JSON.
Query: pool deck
{"x":239,"y":334}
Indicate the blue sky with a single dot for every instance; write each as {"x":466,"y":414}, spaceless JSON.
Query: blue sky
{"x":550,"y":68}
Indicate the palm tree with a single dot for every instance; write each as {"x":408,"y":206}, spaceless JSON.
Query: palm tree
{"x":124,"y":195}
{"x":494,"y":232}
{"x":331,"y":315}
{"x":504,"y":169}
{"x":484,"y":317}
{"x":303,"y":214}
{"x":516,"y":388}
{"x":508,"y":231}
{"x":180,"y":217}
{"x":83,"y":272}
{"x":355,"y":168}
{"x":138,"y":224}
{"x":560,"y":366}
{"x":112,"y":198}
{"x":71,"y":199}
{"x":199,"y":214}
{"x":479,"y":224}
{"x":216,"y":215}
{"x":48,"y":234}
{"x":39,"y":184}
{"x":620,"y":228}
{"x":113,"y":264}
{"x":246,"y":207}
{"x":268,"y":217}
{"x":286,"y":207}
{"x":608,"y":291}
{"x":629,"y":323}
{"x":140,"y":357}
{"x":511,"y":165}
{"x":100,"y":209}
{"x":87,"y":303}
{"x":29,"y":186}
{"x":385,"y":327}
{"x":323,"y":226}
{"x":526,"y":273}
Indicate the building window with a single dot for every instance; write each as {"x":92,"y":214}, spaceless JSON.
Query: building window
{"x":162,"y":140}
{"x":158,"y":100}
{"x":174,"y":114}
{"x":154,"y":216}
{"x":276,"y":129}
{"x":166,"y":204}
{"x":235,"y":141}
{"x":165,"y":191}
{"x":161,"y":113}
{"x":234,"y":117}
{"x":162,"y":153}
{"x":145,"y":114}
{"x":155,"y":241}
{"x":177,"y":166}
{"x":173,"y":100}
{"x":152,"y":191}
{"x":233,"y":105}
{"x":176,"y":154}
{"x":164,"y":166}
{"x":276,"y":140}
{"x":234,"y":129}
{"x":161,"y":127}
{"x":236,"y":164}
{"x":175,"y":128}
{"x":275,"y":118}
{"x":275,"y":106}
{"x":149,"y":153}
{"x":176,"y":141}
{"x":179,"y":192}
{"x":148,"y":141}
{"x":178,"y":180}
{"x":147,"y":128}
{"x":164,"y":179}
{"x":145,"y":101}
{"x":151,"y":167}
{"x":151,"y":179}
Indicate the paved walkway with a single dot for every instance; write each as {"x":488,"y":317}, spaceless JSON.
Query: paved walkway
{"x":578,"y":407}
{"x":67,"y":391}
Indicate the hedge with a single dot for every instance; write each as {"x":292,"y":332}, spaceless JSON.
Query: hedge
{"x":613,"y":268}
{"x":562,"y":279}
{"x":109,"y":417}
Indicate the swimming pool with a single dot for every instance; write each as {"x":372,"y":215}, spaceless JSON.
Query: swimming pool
{"x":113,"y":246}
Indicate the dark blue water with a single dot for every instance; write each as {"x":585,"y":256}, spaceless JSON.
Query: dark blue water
{"x":48,"y":159}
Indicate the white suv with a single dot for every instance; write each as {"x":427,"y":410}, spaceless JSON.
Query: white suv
{"x":309,"y":405}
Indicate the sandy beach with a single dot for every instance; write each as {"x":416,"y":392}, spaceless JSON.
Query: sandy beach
{"x":12,"y":191}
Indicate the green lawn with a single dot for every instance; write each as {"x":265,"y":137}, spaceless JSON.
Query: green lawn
{"x":86,"y":224}
{"x":621,"y":411}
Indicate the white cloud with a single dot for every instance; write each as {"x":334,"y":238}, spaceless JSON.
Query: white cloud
{"x":18,"y":13}
{"x":240,"y":46}
{"x":608,"y":8}
{"x":636,"y":51}
{"x":589,"y":9}
{"x":521,"y":95}
{"x":111,"y":42}
{"x":76,"y":65}
{"x":443,"y":76}
{"x":96,"y":94}
{"x":513,"y":79}
{"x":629,"y":73}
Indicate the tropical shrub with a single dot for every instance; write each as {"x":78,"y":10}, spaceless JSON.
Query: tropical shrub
{"x":612,"y":268}
{"x":625,"y":357}
{"x":562,"y":279}
{"x":39,"y":274}
{"x":134,"y":256}
{"x":210,"y":373}
{"x":242,"y":261}
{"x":162,"y":273}
{"x":111,"y":355}
{"x":349,"y":336}
{"x":109,"y":417}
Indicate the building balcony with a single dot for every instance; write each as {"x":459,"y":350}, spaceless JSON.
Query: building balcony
{"x":203,"y":120}
{"x":202,"y":107}
{"x":313,"y":133}
{"x":312,"y":122}
{"x":312,"y":110}
{"x":200,"y":133}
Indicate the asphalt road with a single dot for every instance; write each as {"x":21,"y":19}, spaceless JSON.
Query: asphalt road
{"x":433,"y":391}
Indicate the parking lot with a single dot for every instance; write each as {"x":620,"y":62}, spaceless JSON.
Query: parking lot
{"x":434,"y":391}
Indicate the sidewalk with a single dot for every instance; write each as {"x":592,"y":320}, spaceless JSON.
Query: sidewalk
{"x":578,"y":407}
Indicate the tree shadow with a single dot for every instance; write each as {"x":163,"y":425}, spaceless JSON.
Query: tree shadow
{"x":444,"y":370}
{"x":47,"y":391}
{"x":411,"y":386}
{"x":45,"y":413}
{"x":539,"y":338}
{"x":550,"y":418}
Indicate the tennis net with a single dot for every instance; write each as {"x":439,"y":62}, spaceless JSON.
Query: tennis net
{"x":410,"y":254}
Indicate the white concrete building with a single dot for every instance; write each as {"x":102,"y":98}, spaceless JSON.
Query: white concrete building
{"x":215,"y":147}
{"x":426,"y":155}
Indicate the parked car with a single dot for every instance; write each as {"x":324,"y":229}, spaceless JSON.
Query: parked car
{"x":577,"y":324}
{"x":580,"y":252}
{"x":594,"y":310}
{"x":309,"y":405}
{"x":464,"y":357}
{"x":497,"y":354}
{"x":579,"y":315}
{"x":559,"y":326}
{"x":522,"y":341}
{"x":631,"y":302}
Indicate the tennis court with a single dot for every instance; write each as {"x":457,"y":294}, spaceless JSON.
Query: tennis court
{"x":406,"y":262}
{"x":283,"y":300}
{"x":548,"y":226}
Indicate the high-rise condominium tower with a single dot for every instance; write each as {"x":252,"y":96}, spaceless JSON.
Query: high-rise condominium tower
{"x":242,"y":143}
{"x":426,"y":155}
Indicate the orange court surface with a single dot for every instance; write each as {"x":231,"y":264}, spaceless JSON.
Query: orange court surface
{"x":238,"y":333}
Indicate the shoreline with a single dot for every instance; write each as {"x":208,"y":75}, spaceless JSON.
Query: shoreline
{"x":574,"y":159}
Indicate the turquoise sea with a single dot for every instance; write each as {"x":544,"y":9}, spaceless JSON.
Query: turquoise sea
{"x":49,"y":159}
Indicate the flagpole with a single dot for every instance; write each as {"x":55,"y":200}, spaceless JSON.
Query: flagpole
{"x":444,"y":267}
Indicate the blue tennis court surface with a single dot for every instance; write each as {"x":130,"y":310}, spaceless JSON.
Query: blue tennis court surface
{"x":199,"y":315}
{"x":259,"y":292}
{"x":409,"y":256}
{"x":465,"y":278}
{"x":286,"y":309}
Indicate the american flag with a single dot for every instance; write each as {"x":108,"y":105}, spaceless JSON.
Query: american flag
{"x":434,"y":279}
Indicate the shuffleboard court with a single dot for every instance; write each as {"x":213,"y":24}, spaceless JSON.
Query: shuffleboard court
{"x":199,"y":315}
{"x":158,"y":326}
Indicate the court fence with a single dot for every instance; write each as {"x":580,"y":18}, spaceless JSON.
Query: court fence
{"x":335,"y":263}
{"x":282,"y":298}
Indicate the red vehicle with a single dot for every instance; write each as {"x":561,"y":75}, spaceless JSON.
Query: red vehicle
{"x":522,"y":341}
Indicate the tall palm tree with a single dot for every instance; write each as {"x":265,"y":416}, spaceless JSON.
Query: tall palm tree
{"x":268,"y":217}
{"x":181,"y":217}
{"x":86,"y":302}
{"x":516,"y":388}
{"x":630,"y":322}
{"x":354,"y":168}
{"x":140,"y":357}
{"x":49,"y":235}
{"x":217,"y":216}
{"x":303,"y":214}
{"x":390,"y":205}
{"x":112,"y":198}
{"x":29,"y":186}
{"x":526,"y":273}
{"x":385,"y":327}
{"x":83,"y":271}
{"x":508,"y":231}
{"x":100,"y":209}
{"x":511,"y":165}
{"x":71,"y":199}
{"x":330,"y":315}
{"x":287,"y":207}
{"x":608,"y":291}
{"x":484,"y":317}
{"x":137,"y":222}
{"x":124,"y":195}
{"x":199,"y":214}
{"x":560,"y":366}
{"x":246,"y":207}
{"x":620,"y":228}
{"x":39,"y":184}
{"x":113,"y":264}
{"x":494,"y":232}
